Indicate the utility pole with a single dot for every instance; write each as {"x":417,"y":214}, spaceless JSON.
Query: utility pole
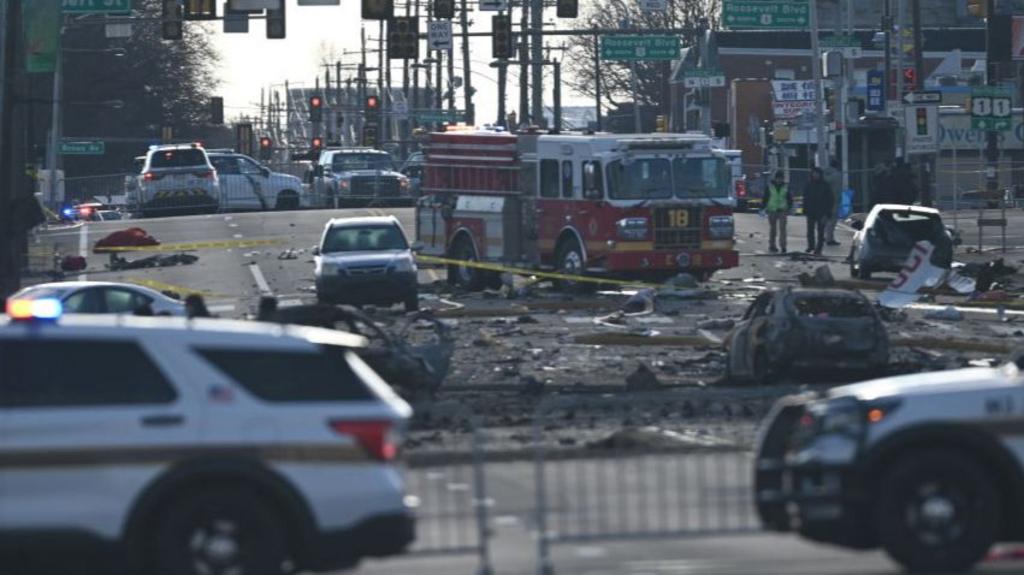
{"x":52,"y":156}
{"x":597,"y":79}
{"x":384,"y":107}
{"x":991,"y":137}
{"x":440,"y":80}
{"x":467,"y":81}
{"x":819,"y":108}
{"x":887,"y":28}
{"x":451,"y":81}
{"x":524,"y":69}
{"x":12,"y":155}
{"x":416,"y":74}
{"x":901,"y":19}
{"x":502,"y":94}
{"x":536,"y":59}
{"x":557,"y":80}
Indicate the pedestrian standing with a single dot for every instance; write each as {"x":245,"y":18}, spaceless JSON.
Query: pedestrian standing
{"x":817,"y":208}
{"x":778,"y":202}
{"x":195,"y":306}
{"x":834,"y":179}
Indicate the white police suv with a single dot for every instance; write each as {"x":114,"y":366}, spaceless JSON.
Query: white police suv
{"x":163,"y":445}
{"x":928,"y":466}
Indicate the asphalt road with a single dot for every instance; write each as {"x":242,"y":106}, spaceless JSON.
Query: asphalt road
{"x":233,"y":278}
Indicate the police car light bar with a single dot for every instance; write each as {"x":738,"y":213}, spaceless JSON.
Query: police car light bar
{"x":29,"y":309}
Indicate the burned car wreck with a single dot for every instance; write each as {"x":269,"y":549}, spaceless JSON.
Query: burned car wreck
{"x":889,"y":233}
{"x":806,"y":329}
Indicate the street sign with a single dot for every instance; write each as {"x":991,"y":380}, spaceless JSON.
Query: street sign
{"x":90,"y":148}
{"x":765,"y":14}
{"x":441,"y":116}
{"x":876,"y":91}
{"x":118,"y":30}
{"x":439,"y":35}
{"x":494,"y":5}
{"x":921,"y":125}
{"x":639,"y":47}
{"x":933,"y":97}
{"x":653,"y":5}
{"x":254,"y":5}
{"x":990,"y":109}
{"x":96,"y":6}
{"x":703,"y":79}
{"x":793,"y":98}
{"x":849,"y":45}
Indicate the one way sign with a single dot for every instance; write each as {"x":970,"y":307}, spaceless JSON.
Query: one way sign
{"x":439,"y":34}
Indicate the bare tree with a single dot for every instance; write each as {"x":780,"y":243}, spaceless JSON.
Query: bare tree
{"x":691,"y":16}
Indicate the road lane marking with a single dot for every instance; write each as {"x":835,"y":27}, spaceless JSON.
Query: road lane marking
{"x":194,"y":246}
{"x":261,"y":282}
{"x":221,"y":308}
{"x":238,"y":236}
{"x":289,"y":303}
{"x":166,"y":287}
{"x":83,"y":248}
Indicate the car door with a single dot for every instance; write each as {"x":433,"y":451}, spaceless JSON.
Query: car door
{"x":123,"y":300}
{"x":88,"y":300}
{"x":259,"y":183}
{"x":236,"y":192}
{"x":85,"y":424}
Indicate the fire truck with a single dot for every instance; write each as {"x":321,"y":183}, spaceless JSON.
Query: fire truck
{"x":643,"y":206}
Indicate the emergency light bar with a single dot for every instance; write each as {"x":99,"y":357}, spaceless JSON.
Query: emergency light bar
{"x":30,"y":309}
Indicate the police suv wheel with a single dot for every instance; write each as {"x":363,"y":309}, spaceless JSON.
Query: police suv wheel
{"x":938,"y":512}
{"x":220,"y":531}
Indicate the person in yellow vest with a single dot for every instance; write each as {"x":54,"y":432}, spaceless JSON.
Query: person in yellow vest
{"x":777,"y":202}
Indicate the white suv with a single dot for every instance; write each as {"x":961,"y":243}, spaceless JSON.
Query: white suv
{"x":176,"y":180}
{"x":189,"y":447}
{"x":245,"y":184}
{"x":928,"y":466}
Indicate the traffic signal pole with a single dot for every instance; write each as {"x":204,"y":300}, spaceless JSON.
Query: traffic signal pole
{"x":467,"y":80}
{"x":819,"y":107}
{"x":524,"y":57}
{"x":536,"y":59}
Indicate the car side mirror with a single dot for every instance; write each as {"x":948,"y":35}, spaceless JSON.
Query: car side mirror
{"x":857,"y":225}
{"x":316,"y":251}
{"x":265,"y":171}
{"x":418,"y":247}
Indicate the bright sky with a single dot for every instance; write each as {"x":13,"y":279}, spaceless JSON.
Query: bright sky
{"x":251,"y":61}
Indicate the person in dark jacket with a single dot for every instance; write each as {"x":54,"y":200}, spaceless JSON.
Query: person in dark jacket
{"x":818,"y":209}
{"x":903,"y":187}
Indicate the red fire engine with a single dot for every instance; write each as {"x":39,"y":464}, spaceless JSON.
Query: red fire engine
{"x":645,"y":205}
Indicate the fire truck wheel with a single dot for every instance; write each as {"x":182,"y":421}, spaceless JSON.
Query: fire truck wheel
{"x":569,"y":261}
{"x":467,"y":278}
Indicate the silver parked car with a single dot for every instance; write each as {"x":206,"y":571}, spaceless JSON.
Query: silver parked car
{"x":103,"y":297}
{"x":366,"y":261}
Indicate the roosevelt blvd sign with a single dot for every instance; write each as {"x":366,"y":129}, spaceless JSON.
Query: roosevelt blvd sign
{"x":640,"y":47}
{"x":84,"y":148}
{"x":765,"y":13}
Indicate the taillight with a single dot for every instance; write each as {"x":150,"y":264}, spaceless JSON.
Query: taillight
{"x":375,"y":437}
{"x":741,"y":189}
{"x":206,"y":174}
{"x":148,"y":176}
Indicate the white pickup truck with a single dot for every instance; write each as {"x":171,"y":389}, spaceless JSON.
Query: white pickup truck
{"x":927,"y":466}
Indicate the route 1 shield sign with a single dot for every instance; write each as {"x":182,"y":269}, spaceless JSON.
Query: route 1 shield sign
{"x":439,"y":35}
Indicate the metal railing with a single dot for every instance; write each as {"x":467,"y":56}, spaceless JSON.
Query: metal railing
{"x":647,"y":475}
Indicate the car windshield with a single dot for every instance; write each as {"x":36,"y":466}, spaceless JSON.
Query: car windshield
{"x":346,"y":162}
{"x":177,"y":158}
{"x":701,"y":177}
{"x":822,"y":307}
{"x":41,"y":293}
{"x":364,"y":239}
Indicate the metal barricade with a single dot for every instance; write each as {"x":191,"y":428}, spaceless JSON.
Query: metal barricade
{"x":451,"y":489}
{"x":646,"y":471}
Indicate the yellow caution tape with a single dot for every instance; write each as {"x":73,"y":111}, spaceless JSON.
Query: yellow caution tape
{"x":165,"y":287}
{"x":531,"y":272}
{"x":192,"y":246}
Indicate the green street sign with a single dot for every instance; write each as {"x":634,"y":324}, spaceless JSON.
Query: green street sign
{"x":96,"y":6}
{"x":840,"y":41}
{"x":93,"y":148}
{"x":640,"y":47}
{"x":991,"y":108}
{"x":441,"y":116}
{"x":765,"y":14}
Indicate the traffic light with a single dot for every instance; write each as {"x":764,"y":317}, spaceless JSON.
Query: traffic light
{"x":266,"y":148}
{"x":909,"y":80}
{"x":200,"y":9}
{"x":444,"y":9}
{"x":317,"y":144}
{"x":921,"y":115}
{"x":568,"y":8}
{"x":661,"y":123}
{"x":977,"y":8}
{"x":378,"y":9}
{"x":217,"y":110}
{"x":501,"y":36}
{"x":370,"y":135}
{"x":275,"y":23}
{"x":316,"y":109}
{"x":171,"y":23}
{"x":403,"y":38}
{"x":372,"y":105}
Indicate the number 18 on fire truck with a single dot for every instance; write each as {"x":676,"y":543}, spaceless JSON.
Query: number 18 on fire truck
{"x":643,"y":206}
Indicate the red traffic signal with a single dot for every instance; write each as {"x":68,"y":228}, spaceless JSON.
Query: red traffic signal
{"x":266,"y":143}
{"x":910,"y":78}
{"x":316,"y":102}
{"x":372,"y":103}
{"x":318,"y":143}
